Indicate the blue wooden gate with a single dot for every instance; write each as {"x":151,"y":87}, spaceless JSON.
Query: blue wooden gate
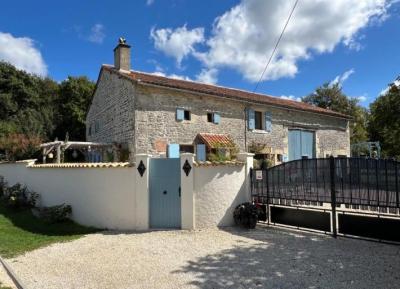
{"x":165,"y":195}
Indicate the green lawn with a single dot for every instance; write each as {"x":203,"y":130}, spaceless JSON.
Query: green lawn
{"x":20,"y":232}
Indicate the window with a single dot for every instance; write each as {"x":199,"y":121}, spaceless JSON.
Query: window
{"x":209,"y":117}
{"x":186,"y":115}
{"x":258,"y":120}
{"x":90,"y":130}
{"x":182,"y":114}
{"x":213,"y":117}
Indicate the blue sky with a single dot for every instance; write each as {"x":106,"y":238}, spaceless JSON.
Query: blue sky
{"x":354,"y":41}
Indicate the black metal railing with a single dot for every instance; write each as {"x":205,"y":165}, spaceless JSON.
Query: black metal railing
{"x":362,"y":182}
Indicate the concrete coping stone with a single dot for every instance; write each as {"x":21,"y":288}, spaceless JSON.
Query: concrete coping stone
{"x":215,"y":163}
{"x":84,"y":165}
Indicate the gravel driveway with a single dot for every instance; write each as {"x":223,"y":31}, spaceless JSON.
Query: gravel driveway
{"x":232,"y":258}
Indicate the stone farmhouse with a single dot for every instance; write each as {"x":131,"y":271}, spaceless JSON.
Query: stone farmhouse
{"x":147,"y":113}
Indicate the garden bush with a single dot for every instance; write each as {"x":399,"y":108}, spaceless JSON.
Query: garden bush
{"x":55,"y":214}
{"x":246,"y":215}
{"x":3,"y":186}
{"x":17,"y":196}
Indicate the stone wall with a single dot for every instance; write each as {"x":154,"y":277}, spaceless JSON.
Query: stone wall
{"x":156,"y":123}
{"x":113,"y":108}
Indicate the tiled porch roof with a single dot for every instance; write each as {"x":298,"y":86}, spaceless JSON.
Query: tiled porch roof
{"x":216,"y":140}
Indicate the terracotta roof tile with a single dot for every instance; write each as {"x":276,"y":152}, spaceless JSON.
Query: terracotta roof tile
{"x":216,"y":140}
{"x":215,"y":90}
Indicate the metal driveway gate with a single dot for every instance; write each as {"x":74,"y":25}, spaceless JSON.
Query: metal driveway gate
{"x":347,"y":196}
{"x":165,"y":193}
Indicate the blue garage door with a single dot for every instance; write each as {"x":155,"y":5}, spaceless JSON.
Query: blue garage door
{"x":165,"y":195}
{"x":301,"y":143}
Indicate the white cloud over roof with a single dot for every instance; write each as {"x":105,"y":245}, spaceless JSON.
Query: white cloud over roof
{"x":243,"y":37}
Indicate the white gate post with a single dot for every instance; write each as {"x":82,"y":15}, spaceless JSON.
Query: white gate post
{"x":247,"y":158}
{"x":187,"y":194}
{"x":142,"y":197}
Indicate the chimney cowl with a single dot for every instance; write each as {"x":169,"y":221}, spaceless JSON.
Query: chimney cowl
{"x":122,"y":55}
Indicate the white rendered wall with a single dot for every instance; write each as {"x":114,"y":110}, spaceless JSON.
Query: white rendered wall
{"x":218,"y":190}
{"x":100,"y":197}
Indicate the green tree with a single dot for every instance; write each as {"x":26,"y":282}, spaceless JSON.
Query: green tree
{"x":384,"y":122}
{"x":33,"y":108}
{"x":19,"y":146}
{"x":75,"y":97}
{"x":331,"y":96}
{"x":26,"y":102}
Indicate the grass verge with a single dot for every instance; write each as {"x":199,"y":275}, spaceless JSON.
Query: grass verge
{"x":20,"y":232}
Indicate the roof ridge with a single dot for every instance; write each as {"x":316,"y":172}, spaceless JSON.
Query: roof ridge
{"x":223,"y":91}
{"x":210,"y":84}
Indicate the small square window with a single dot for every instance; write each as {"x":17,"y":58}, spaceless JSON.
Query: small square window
{"x":210,"y":117}
{"x":258,"y":119}
{"x":279,"y":157}
{"x":186,"y":115}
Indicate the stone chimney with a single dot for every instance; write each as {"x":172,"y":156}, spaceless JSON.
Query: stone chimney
{"x":122,"y":55}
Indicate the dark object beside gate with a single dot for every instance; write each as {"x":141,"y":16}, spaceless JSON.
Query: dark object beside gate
{"x":246,"y":215}
{"x":362,"y":184}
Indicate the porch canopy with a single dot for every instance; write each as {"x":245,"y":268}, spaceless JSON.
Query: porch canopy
{"x":214,"y":141}
{"x":61,"y":146}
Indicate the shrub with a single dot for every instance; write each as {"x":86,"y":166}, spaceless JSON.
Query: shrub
{"x":56,"y":214}
{"x":19,"y":146}
{"x":216,"y":157}
{"x":246,"y":215}
{"x":17,"y":196}
{"x":3,"y":186}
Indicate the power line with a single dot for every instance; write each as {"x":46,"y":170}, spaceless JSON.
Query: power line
{"x":276,"y":45}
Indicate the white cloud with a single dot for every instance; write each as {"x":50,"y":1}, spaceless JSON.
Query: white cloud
{"x":339,"y":79}
{"x":362,"y":98}
{"x":177,"y":43}
{"x":22,"y":53}
{"x":386,"y":90}
{"x":207,"y":76}
{"x":291,"y":97}
{"x":173,"y":75}
{"x":243,"y":37}
{"x":149,"y":2}
{"x":97,"y":34}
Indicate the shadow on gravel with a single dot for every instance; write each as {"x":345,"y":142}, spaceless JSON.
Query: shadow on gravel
{"x":286,"y":259}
